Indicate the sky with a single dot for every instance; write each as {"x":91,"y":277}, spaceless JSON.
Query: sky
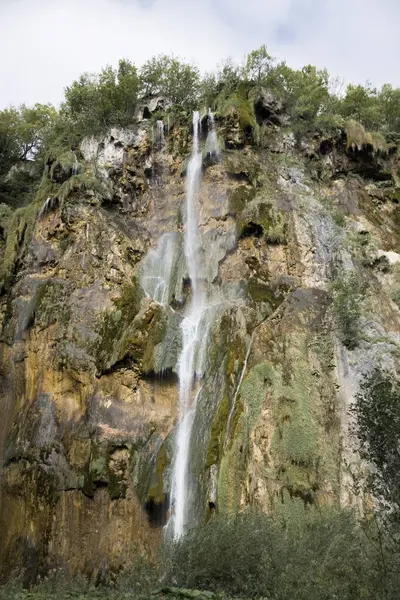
{"x":46,"y":44}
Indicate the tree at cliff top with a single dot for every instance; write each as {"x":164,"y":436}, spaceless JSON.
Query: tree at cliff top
{"x":96,"y":102}
{"x":22,"y":131}
{"x":372,"y":108}
{"x":167,"y":76}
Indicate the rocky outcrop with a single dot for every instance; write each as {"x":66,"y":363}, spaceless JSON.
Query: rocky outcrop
{"x":88,"y":361}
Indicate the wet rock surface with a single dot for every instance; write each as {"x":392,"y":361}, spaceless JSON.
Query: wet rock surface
{"x":88,"y":354}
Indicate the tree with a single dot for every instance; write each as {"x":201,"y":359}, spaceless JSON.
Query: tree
{"x":348,"y":293}
{"x":34,"y":123}
{"x":228,"y":76}
{"x":389,"y":106}
{"x":310,"y":91}
{"x":167,"y":76}
{"x":208,"y":89}
{"x":152,"y":75}
{"x":97,"y":101}
{"x":9,"y":142}
{"x":360,"y":103}
{"x":128,"y":87}
{"x":377,"y":412}
{"x":258,"y":65}
{"x":22,"y":133}
{"x":182,"y":83}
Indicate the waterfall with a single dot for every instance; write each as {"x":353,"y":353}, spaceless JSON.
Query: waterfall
{"x":160,"y":135}
{"x":212,"y":147}
{"x":157,"y":269}
{"x":194,"y":327}
{"x":75,"y":166}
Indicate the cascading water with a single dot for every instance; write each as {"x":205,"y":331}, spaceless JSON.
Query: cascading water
{"x":194,"y":329}
{"x":160,"y":135}
{"x":157,"y":269}
{"x":75,"y":166}
{"x":212,"y":139}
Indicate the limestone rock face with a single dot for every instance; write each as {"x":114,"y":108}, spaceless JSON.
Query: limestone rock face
{"x":88,"y":357}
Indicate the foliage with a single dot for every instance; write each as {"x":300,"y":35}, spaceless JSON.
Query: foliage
{"x":19,"y":232}
{"x":373,"y":109}
{"x":377,"y":412}
{"x":259,"y":64}
{"x":33,"y":137}
{"x":228,"y":76}
{"x":305,"y":92}
{"x":167,"y":76}
{"x":359,"y":104}
{"x":22,"y":132}
{"x":307,"y":555}
{"x":95,"y":102}
{"x":5,"y":214}
{"x":240,"y":103}
{"x":348,"y":293}
{"x":82,"y":183}
{"x":304,"y":554}
{"x":389,"y":104}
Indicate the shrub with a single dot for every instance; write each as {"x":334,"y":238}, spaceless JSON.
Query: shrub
{"x":82,"y":183}
{"x":377,"y":412}
{"x":348,"y":293}
{"x":310,"y":555}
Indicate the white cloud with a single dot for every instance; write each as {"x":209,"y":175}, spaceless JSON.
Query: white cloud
{"x":45,"y":44}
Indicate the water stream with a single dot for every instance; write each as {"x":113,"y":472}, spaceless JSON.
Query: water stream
{"x":160,"y":135}
{"x":212,"y":147}
{"x":159,"y":280}
{"x":194,"y":329}
{"x":157,"y":268}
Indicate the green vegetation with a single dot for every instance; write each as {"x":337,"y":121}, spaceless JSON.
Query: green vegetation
{"x":95,"y":102}
{"x":167,"y":76}
{"x":348,"y":292}
{"x":358,"y":138}
{"x":304,"y":554}
{"x":22,"y":132}
{"x":82,"y":184}
{"x":19,"y":232}
{"x":377,"y":412}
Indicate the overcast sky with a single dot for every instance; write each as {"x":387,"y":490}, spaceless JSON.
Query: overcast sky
{"x":46,"y":44}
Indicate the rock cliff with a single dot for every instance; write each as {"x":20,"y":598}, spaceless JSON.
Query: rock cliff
{"x":292,"y":227}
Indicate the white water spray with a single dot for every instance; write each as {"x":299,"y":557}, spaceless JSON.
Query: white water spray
{"x":212,"y":138}
{"x":75,"y":166}
{"x":157,"y":269}
{"x":160,"y":135}
{"x":194,"y":328}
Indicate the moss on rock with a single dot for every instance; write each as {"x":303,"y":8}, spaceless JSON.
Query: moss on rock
{"x":19,"y":233}
{"x":263,"y":212}
{"x":156,"y":488}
